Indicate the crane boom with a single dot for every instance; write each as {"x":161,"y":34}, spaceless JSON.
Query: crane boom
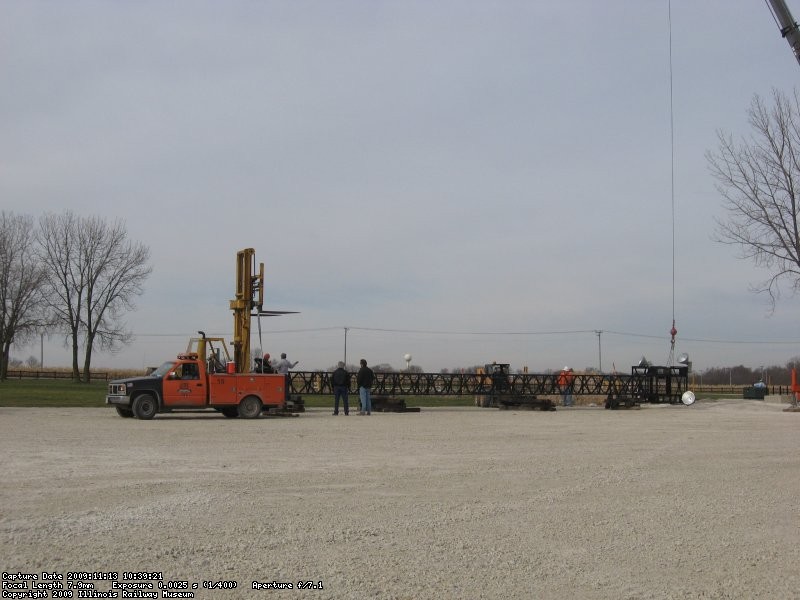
{"x":788,"y":26}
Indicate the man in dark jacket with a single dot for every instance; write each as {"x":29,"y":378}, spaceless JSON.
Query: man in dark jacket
{"x":364,"y":380}
{"x":340,"y":380}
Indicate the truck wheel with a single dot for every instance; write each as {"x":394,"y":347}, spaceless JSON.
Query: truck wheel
{"x":249,"y":407}
{"x":124,"y":412}
{"x":145,"y":407}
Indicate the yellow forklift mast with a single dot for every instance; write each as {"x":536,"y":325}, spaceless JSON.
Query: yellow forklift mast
{"x":249,"y":302}
{"x":249,"y":295}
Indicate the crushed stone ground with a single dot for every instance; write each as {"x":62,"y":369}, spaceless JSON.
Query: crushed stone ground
{"x":659,"y":502}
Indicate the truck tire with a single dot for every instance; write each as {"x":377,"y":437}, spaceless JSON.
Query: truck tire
{"x":249,"y":407}
{"x":145,"y":407}
{"x":124,"y":412}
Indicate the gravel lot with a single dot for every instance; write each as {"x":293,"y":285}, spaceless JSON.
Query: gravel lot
{"x":660,"y":502}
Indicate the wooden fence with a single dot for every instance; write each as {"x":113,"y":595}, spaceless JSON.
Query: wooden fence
{"x":30,"y":374}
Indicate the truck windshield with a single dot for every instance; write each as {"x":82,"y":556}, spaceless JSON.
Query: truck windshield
{"x":163,"y":369}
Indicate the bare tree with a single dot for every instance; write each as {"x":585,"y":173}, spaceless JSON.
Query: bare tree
{"x":759,"y":179}
{"x":21,"y":281}
{"x":94,"y":272}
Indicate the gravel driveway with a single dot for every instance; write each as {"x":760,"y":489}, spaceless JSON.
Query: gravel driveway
{"x":659,"y":502}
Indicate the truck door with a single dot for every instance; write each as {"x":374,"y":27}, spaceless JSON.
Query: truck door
{"x":184,"y":386}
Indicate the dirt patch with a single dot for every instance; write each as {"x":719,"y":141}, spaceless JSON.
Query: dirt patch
{"x":661,"y":502}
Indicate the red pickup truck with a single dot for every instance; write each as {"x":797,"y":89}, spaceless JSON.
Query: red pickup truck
{"x":185,"y":383}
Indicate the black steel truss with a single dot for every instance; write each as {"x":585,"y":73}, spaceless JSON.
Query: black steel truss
{"x":644,"y":384}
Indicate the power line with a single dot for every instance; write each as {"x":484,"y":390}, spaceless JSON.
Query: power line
{"x":437,"y":332}
{"x":702,"y":340}
{"x":485,"y":333}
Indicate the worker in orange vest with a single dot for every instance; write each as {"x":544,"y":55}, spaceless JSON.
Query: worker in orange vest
{"x":566,"y":381}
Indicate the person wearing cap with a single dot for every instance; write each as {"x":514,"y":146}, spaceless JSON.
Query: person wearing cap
{"x":262,"y":365}
{"x":284,"y":365}
{"x":566,"y":380}
{"x":340,"y":380}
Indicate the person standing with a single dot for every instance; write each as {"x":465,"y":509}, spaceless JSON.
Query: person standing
{"x":364,"y":380}
{"x":283,"y":368}
{"x":340,"y":380}
{"x":284,"y":365}
{"x":566,"y":380}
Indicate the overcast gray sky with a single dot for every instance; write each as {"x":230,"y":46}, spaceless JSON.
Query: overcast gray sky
{"x":465,"y":181}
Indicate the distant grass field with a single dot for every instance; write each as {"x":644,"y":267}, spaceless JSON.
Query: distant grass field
{"x":51,"y":392}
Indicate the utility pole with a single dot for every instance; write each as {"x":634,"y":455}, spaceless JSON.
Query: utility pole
{"x":599,"y":332}
{"x":345,"y":347}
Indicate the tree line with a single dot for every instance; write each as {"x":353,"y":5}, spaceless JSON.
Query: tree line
{"x":741,"y":375}
{"x":69,"y":274}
